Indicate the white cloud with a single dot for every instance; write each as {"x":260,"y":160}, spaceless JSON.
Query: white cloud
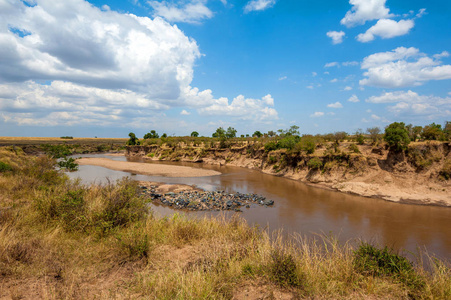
{"x":243,"y":108}
{"x":412,"y":103}
{"x":365,"y":10}
{"x":354,"y":99}
{"x":335,"y":105}
{"x":375,"y":117}
{"x":317,"y":114}
{"x":182,"y":11}
{"x":348,"y":88}
{"x":402,"y":67}
{"x":332,"y":64}
{"x":421,"y":12}
{"x":311,"y":87}
{"x":350,"y":63}
{"x":314,"y":74}
{"x":334,"y":80}
{"x":336,"y":36}
{"x":185,"y":113}
{"x":257,"y":5}
{"x":386,"y":29}
{"x":283,"y":78}
{"x":98,"y":66}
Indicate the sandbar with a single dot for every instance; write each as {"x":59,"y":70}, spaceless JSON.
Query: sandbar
{"x":147,"y":168}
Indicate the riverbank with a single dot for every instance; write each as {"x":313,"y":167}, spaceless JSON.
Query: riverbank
{"x":412,"y":178}
{"x":60,"y":239}
{"x":147,"y":169}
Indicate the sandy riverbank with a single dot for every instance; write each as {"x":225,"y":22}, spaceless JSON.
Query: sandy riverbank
{"x":147,"y":169}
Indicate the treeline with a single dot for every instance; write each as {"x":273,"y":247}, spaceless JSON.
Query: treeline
{"x":397,"y":135}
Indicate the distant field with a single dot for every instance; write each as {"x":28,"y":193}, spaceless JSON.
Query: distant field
{"x":4,"y":141}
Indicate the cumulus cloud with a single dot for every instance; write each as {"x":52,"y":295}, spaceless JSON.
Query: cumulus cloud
{"x":243,"y":108}
{"x":386,"y":29}
{"x":317,"y":114}
{"x":412,"y":103}
{"x":354,"y":99}
{"x":402,"y":67}
{"x":182,"y":11}
{"x":365,"y":10}
{"x":336,"y":36}
{"x":257,"y":5}
{"x":185,"y":113}
{"x":335,"y":105}
{"x":348,"y":88}
{"x":78,"y":64}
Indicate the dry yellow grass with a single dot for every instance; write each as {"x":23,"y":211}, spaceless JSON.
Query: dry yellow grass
{"x":60,"y":240}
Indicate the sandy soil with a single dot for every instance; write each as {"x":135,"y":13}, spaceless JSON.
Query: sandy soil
{"x":147,"y":169}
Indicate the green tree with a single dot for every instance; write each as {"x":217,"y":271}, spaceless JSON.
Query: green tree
{"x":194,"y":134}
{"x":397,"y":136}
{"x":219,"y":133}
{"x":433,"y":132}
{"x":257,"y":134}
{"x":133,"y":139}
{"x":151,"y":135}
{"x":447,"y":130}
{"x":231,"y":133}
{"x":164,"y":135}
{"x":271,"y":133}
{"x":414,"y":132}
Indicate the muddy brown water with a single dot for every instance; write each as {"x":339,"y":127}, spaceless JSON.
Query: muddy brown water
{"x":309,"y":210}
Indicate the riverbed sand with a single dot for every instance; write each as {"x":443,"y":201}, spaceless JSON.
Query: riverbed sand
{"x":147,"y":168}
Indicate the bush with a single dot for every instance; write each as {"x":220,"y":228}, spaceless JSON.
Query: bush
{"x":283,"y":269}
{"x":315,"y":163}
{"x":68,"y":164}
{"x":270,"y":146}
{"x":370,"y":260}
{"x":4,"y":167}
{"x":354,"y":148}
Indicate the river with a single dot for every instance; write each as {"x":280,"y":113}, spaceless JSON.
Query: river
{"x":309,"y":210}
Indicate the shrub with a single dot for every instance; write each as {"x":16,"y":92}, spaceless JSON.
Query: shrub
{"x":68,"y":164}
{"x":315,"y":163}
{"x":370,"y":260}
{"x":283,"y":269}
{"x":4,"y":167}
{"x":270,"y":146}
{"x":354,"y":148}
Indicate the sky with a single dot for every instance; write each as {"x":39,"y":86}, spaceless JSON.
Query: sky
{"x":106,"y":68}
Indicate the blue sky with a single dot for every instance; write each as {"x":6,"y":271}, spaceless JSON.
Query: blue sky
{"x":105,"y":68}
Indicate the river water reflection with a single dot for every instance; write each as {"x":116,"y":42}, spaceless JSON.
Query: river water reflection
{"x":308,"y":210}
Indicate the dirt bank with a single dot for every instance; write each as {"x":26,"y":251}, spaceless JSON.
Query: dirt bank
{"x":413,"y":177}
{"x":147,"y":169}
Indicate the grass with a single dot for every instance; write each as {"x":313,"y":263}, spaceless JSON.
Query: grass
{"x":63,"y":240}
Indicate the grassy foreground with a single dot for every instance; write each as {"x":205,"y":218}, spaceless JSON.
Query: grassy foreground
{"x":62,"y":240}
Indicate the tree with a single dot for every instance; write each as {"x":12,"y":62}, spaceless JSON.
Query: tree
{"x":340,"y":136}
{"x":414,"y":132}
{"x":374,"y":133}
{"x":194,"y":134}
{"x":133,"y":140}
{"x":397,"y":136}
{"x":231,"y":133}
{"x":447,"y":130}
{"x":271,"y":133}
{"x":433,"y":132}
{"x":164,"y":135}
{"x":151,"y":135}
{"x":219,"y":133}
{"x":257,"y":134}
